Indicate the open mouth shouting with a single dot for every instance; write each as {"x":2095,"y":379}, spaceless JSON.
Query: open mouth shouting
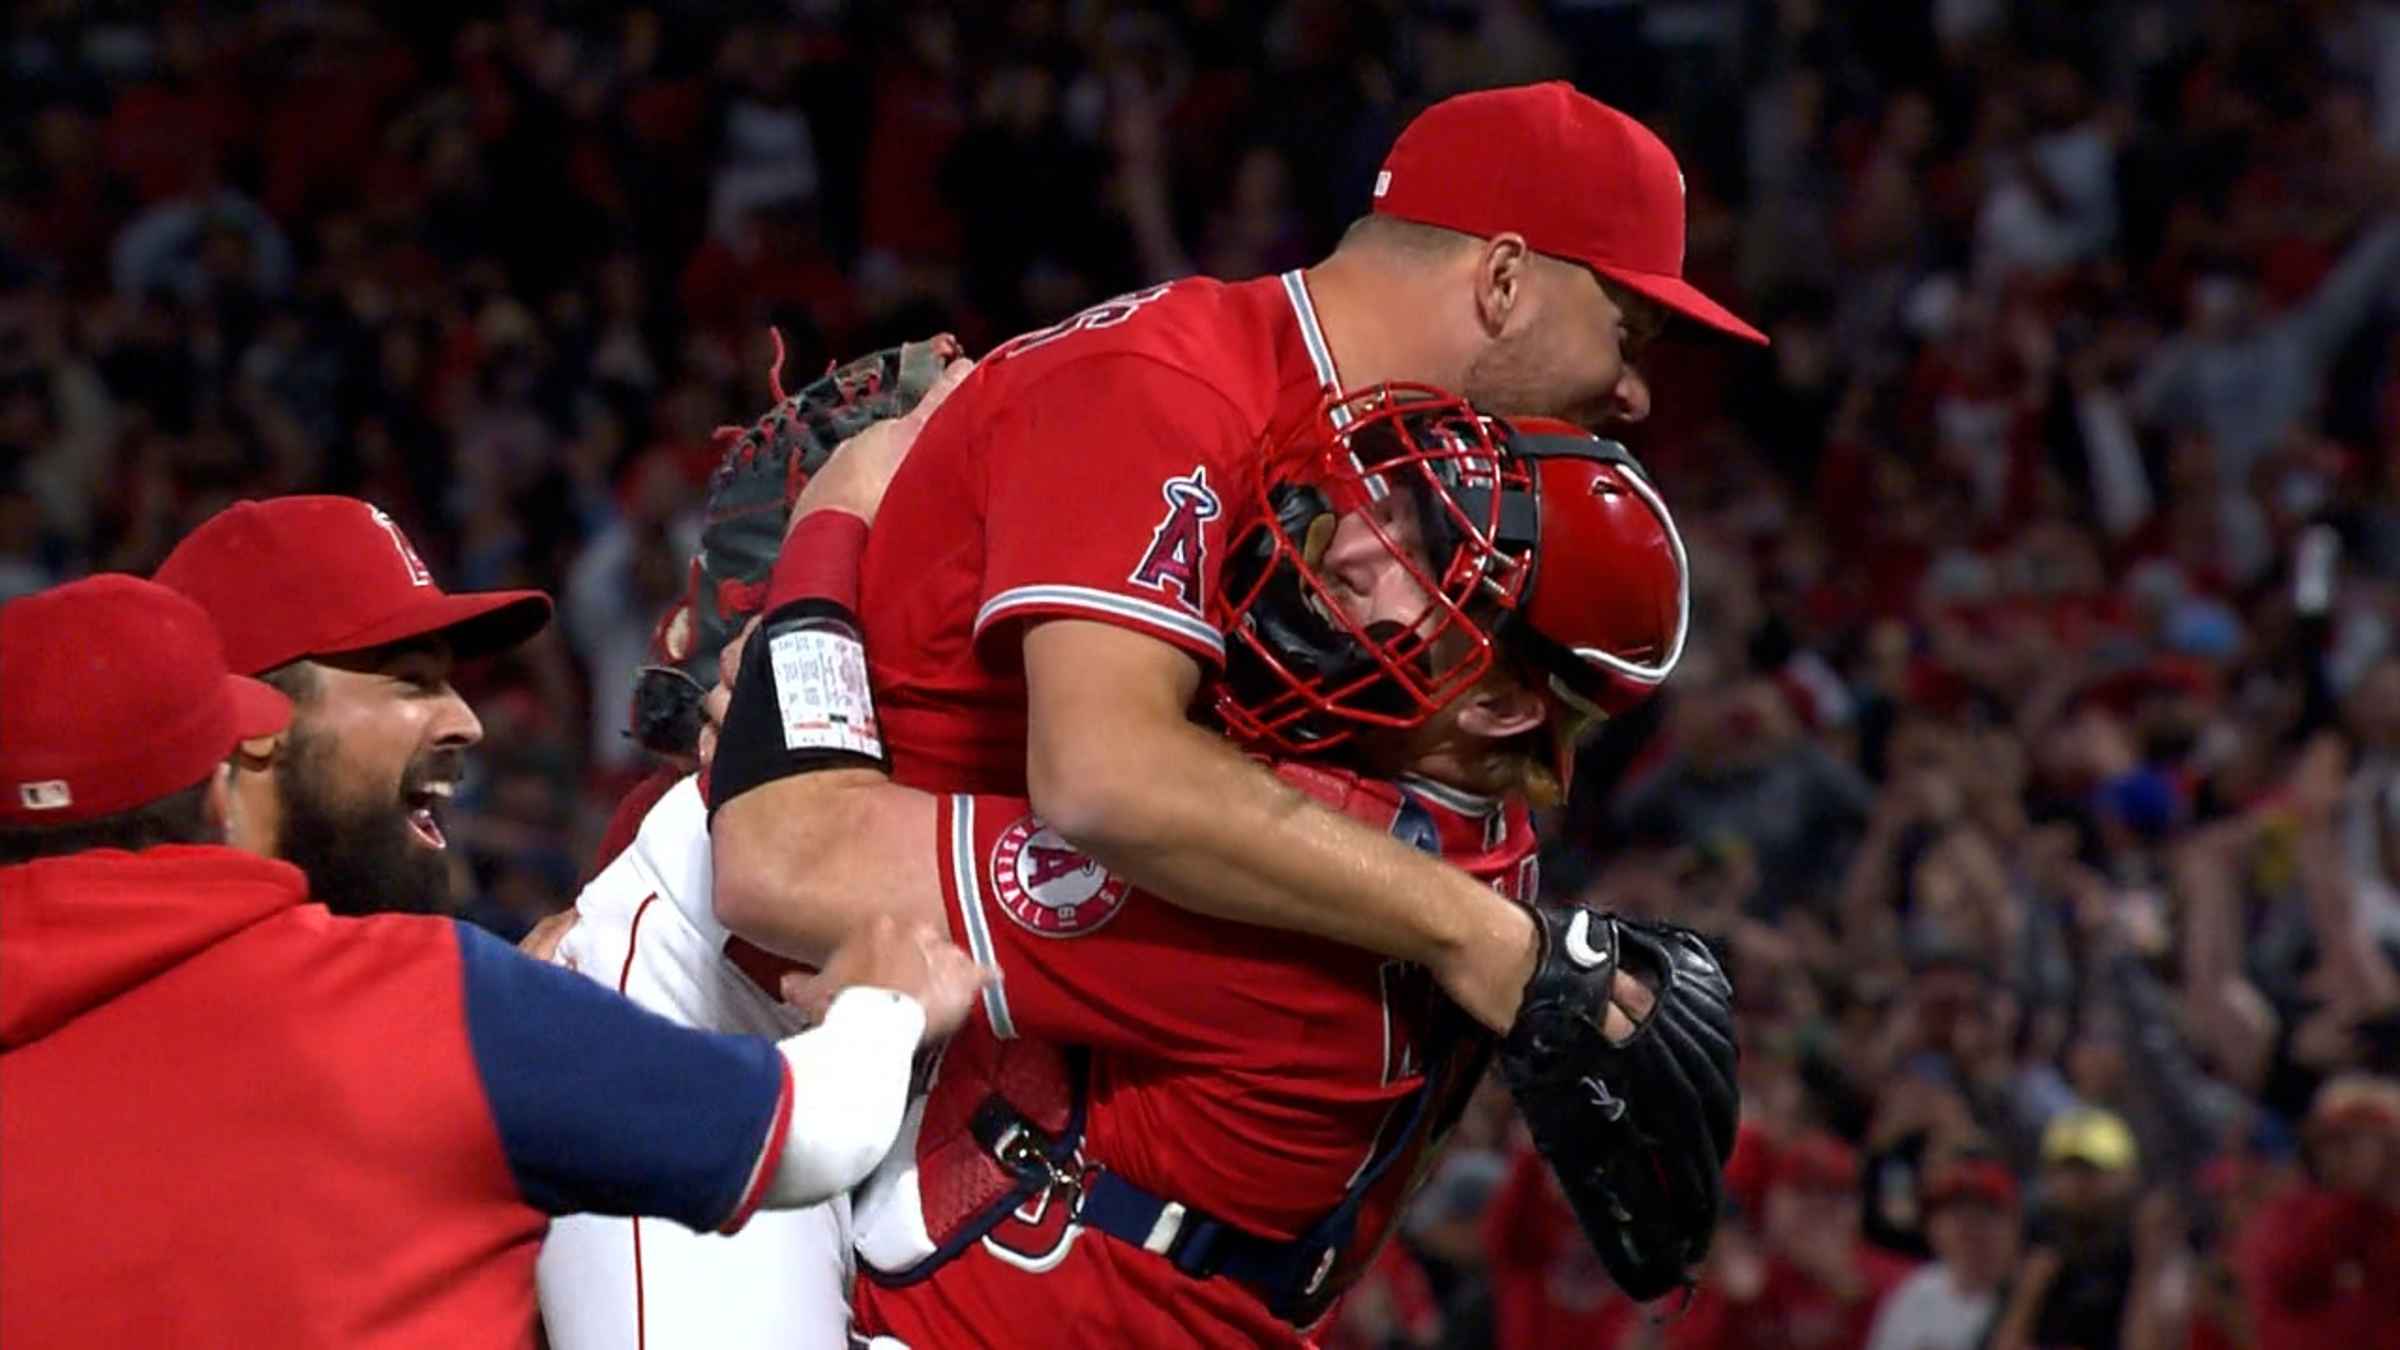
{"x":420,"y":799}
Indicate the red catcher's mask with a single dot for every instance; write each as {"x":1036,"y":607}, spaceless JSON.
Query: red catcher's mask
{"x":1531,"y":535}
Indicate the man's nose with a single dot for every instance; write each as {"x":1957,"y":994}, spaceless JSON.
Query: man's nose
{"x":455,"y":724}
{"x":1629,"y":402}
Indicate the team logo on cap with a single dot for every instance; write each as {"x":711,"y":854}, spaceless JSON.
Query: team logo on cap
{"x":50,"y":794}
{"x":1049,"y":886}
{"x":418,"y":573}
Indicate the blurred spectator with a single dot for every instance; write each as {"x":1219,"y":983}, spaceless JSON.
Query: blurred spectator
{"x":2320,"y":1264}
{"x":632,"y":569}
{"x":1390,"y":1308}
{"x":1744,"y":778}
{"x":1811,"y":1281}
{"x":1548,"y":1287}
{"x":2246,"y":378}
{"x":1971,"y":1223}
{"x":2072,"y":1284}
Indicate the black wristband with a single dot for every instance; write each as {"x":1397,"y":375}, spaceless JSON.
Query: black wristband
{"x":821,"y":716}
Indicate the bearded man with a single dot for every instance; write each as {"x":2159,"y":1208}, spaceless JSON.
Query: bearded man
{"x":325,"y":599}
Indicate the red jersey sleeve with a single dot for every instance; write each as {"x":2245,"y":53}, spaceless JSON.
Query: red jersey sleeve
{"x":1083,"y":958}
{"x":1110,"y":496}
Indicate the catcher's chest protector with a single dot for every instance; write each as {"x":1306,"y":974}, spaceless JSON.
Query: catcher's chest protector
{"x":1002,"y":1126}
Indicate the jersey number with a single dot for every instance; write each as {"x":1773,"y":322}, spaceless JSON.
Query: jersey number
{"x":1106,"y":314}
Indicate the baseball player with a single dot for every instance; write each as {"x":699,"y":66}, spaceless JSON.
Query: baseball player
{"x":1039,"y":599}
{"x":641,"y":926}
{"x":229,"y":1116}
{"x":645,"y":926}
{"x":1243,"y":1118}
{"x":1224,"y":369}
{"x":327,"y":600}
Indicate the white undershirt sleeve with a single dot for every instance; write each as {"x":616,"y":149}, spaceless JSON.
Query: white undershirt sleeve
{"x":850,"y":1078}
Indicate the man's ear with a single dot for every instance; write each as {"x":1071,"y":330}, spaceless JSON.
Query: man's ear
{"x":1503,"y":274}
{"x":1501,"y":707}
{"x":254,"y":804}
{"x":217,"y":806}
{"x":256,"y":755}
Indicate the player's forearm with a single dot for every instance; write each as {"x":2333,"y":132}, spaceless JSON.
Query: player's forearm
{"x":1177,"y":811}
{"x":804,"y":862}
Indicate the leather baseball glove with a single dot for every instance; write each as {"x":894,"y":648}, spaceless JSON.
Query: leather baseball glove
{"x":759,"y":475}
{"x":1637,"y":1130}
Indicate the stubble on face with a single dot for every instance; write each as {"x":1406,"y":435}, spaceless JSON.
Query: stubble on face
{"x":1569,"y":361}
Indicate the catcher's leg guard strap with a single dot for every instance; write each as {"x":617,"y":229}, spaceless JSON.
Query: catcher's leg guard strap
{"x":801,"y":703}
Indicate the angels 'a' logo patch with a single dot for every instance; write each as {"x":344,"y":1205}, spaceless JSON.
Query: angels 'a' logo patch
{"x":1044,"y":883}
{"x":418,"y":573}
{"x":1178,"y":555}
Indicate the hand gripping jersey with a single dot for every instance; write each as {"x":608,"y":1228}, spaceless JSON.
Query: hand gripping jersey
{"x":1092,"y":470}
{"x":645,"y":928}
{"x":1159,"y":1095}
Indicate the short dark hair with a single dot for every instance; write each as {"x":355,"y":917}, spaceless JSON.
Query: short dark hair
{"x":177,"y":818}
{"x":1405,"y":236}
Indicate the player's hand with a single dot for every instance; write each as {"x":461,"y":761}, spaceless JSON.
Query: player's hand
{"x":720,"y":695}
{"x":1629,"y":1001}
{"x":542,"y":943}
{"x":861,"y":469}
{"x":907,"y":958}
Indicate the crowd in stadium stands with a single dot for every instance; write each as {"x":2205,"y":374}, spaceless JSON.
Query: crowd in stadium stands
{"x":2037,"y":755}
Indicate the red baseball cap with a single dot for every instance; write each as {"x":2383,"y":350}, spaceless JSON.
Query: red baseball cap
{"x":290,"y":577}
{"x":1816,"y":1161}
{"x":113,"y":694}
{"x":1971,"y":1179}
{"x":1580,"y":180}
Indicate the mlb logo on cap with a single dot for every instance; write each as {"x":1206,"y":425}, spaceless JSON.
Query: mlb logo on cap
{"x":114,"y":694}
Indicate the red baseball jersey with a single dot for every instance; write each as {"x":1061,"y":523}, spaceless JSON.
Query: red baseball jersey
{"x":1092,"y":470}
{"x":1246,"y":1074}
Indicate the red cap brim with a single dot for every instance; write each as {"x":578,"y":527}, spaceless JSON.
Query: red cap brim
{"x":259,"y":709}
{"x":481,"y":623}
{"x":1682,"y":297}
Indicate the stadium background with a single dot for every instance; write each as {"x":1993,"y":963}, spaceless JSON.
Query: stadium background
{"x":2007,"y":756}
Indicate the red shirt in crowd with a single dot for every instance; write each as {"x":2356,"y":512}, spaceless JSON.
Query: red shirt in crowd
{"x":1795,"y":1311}
{"x":1548,"y":1286}
{"x":2320,"y":1270}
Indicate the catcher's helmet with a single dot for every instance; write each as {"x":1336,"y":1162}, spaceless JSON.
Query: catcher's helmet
{"x":1537,"y":538}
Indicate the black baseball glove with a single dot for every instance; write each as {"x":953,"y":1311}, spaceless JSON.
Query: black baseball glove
{"x":750,"y":496}
{"x":1637,"y":1131}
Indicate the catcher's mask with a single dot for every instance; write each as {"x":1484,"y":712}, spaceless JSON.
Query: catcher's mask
{"x":1531,"y":538}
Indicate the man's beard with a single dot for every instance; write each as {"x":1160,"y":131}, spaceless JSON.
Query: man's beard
{"x":360,"y":857}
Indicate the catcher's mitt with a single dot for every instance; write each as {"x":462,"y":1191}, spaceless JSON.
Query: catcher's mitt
{"x":750,"y":498}
{"x":1637,"y":1131}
